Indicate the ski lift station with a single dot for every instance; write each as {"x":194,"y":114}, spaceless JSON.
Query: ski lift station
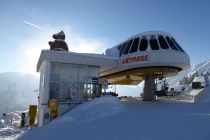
{"x":71,"y":78}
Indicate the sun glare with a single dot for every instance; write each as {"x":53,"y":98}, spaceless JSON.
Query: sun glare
{"x":32,"y":56}
{"x":31,"y":50}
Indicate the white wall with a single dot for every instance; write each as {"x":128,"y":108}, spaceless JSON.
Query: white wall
{"x":56,"y":81}
{"x":43,"y":92}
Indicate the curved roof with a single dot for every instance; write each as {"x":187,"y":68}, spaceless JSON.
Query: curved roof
{"x":148,"y":33}
{"x":150,"y":49}
{"x":154,"y":39}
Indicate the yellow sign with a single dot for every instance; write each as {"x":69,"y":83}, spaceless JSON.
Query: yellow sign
{"x":32,"y":114}
{"x":53,"y":104}
{"x":53,"y":113}
{"x":32,"y":110}
{"x":31,"y":122}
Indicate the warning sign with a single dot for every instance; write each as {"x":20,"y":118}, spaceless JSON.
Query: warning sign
{"x":73,"y":90}
{"x":53,"y":104}
{"x":105,"y":84}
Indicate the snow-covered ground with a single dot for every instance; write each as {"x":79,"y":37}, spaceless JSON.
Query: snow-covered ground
{"x":9,"y":126}
{"x":108,"y":118}
{"x":184,"y":117}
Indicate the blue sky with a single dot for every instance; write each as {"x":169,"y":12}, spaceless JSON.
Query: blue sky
{"x":94,"y":25}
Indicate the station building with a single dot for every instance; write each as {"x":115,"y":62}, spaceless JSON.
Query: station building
{"x":70,"y":78}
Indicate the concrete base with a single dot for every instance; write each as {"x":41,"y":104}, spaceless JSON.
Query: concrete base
{"x":149,"y":88}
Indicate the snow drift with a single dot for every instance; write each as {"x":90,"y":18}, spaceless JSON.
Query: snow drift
{"x":107,"y":118}
{"x":203,"y":97}
{"x":9,"y":126}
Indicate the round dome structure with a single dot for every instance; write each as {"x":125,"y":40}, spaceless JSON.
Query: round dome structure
{"x":146,"y":56}
{"x":151,"y":49}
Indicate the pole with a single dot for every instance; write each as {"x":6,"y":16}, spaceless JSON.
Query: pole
{"x":149,"y":88}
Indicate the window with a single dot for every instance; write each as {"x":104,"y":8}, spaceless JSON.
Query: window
{"x":128,"y":47}
{"x":143,"y":44}
{"x":172,"y":45}
{"x":135,"y":45}
{"x":162,"y":42}
{"x":177,"y":45}
{"x":154,"y":44}
{"x":122,"y":48}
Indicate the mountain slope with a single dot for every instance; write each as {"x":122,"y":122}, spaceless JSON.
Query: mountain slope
{"x":17,"y":91}
{"x":202,"y":68}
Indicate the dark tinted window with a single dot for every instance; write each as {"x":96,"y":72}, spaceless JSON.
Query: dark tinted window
{"x":154,"y":44}
{"x":170,"y":42}
{"x":127,"y":47}
{"x":143,"y":44}
{"x":123,"y":48}
{"x":162,"y":42}
{"x":177,"y":45}
{"x":135,"y":45}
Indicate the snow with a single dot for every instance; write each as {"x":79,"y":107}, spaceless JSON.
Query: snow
{"x":109,"y":118}
{"x":186,"y":116}
{"x":10,"y":133}
{"x":200,"y":68}
{"x":175,"y":79}
{"x":9,"y":126}
{"x":203,"y":97}
{"x":177,"y":88}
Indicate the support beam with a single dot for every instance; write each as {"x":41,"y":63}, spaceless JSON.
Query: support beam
{"x":149,"y":88}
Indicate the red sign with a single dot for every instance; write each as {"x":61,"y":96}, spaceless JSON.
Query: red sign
{"x":134,"y":59}
{"x":52,"y":103}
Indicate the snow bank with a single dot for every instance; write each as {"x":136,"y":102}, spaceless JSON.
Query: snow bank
{"x":107,"y":118}
{"x":9,"y":126}
{"x":99,"y":108}
{"x":203,"y":96}
{"x":12,"y":118}
{"x":83,"y":119}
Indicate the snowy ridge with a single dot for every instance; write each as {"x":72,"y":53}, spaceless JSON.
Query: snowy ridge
{"x":201,"y":68}
{"x":175,"y":80}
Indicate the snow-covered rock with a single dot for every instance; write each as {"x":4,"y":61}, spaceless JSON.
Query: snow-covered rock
{"x":9,"y":126}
